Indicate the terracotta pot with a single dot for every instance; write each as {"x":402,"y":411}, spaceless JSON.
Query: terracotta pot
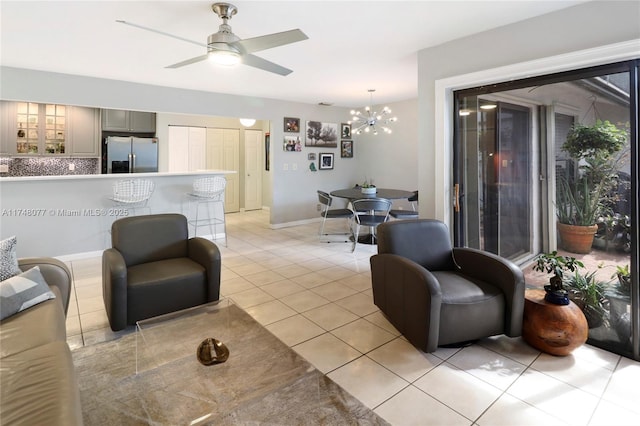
{"x":577,"y":239}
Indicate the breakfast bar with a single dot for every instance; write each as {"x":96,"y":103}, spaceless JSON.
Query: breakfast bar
{"x":70,"y":216}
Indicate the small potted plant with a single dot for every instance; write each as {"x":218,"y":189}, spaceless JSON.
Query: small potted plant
{"x":588,"y":292}
{"x":555,"y":264}
{"x":368,"y":188}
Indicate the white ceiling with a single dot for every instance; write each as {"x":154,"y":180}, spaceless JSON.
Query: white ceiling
{"x":353,"y":45}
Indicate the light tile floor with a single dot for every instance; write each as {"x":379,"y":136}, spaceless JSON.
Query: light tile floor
{"x":316,"y":297}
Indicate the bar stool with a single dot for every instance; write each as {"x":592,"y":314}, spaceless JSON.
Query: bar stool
{"x":132,"y":194}
{"x":209,"y":191}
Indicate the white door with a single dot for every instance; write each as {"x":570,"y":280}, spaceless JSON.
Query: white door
{"x":223,"y":153}
{"x":197,"y":148}
{"x":252,"y":169}
{"x":178,"y":149}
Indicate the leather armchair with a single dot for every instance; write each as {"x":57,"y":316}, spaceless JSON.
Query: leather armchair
{"x":154,"y":268}
{"x":438,"y":295}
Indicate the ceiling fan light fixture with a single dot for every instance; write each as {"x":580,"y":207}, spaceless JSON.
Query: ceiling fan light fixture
{"x":227,"y":58}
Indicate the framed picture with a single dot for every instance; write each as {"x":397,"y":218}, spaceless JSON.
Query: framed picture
{"x":326,"y":161}
{"x":346,"y":149}
{"x":292,"y":144}
{"x":319,"y":134}
{"x":311,"y":156}
{"x":345,"y":131}
{"x":291,"y":125}
{"x":267,"y":149}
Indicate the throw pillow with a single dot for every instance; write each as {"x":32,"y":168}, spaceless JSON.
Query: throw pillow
{"x":23,"y":291}
{"x":8,"y":258}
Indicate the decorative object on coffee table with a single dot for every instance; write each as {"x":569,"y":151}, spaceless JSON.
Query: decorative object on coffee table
{"x":212,"y":351}
{"x":554,"y":329}
{"x":556,"y":264}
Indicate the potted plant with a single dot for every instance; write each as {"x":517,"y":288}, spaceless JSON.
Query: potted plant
{"x":368,"y":188}
{"x":581,"y":200}
{"x":620,"y":302}
{"x":588,"y":292}
{"x":555,"y":264}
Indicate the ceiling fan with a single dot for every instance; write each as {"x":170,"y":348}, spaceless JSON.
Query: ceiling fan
{"x":226,"y":48}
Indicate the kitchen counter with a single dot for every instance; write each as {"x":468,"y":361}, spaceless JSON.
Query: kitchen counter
{"x":116,"y":176}
{"x":70,"y":216}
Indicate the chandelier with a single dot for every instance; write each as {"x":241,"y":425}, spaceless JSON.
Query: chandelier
{"x":367,"y":121}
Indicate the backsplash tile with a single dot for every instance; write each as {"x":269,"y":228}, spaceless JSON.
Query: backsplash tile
{"x":49,"y":166}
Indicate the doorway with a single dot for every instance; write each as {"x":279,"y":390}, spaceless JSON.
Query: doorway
{"x":514,"y":167}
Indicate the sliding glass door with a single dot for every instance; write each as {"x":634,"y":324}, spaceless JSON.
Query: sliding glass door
{"x":514,"y":167}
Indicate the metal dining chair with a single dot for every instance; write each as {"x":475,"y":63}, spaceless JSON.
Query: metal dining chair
{"x":329,"y":213}
{"x":406,"y":214}
{"x":370,"y":212}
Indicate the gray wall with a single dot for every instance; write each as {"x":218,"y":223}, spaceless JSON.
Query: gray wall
{"x":588,"y":25}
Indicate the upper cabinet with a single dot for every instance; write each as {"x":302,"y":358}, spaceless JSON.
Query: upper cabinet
{"x":30,"y":128}
{"x":117,"y":120}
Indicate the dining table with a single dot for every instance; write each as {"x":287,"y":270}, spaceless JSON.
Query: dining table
{"x":355,"y":193}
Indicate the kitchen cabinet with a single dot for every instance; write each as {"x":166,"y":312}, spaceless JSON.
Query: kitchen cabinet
{"x":117,"y":120}
{"x":84,"y":132}
{"x":33,"y":129}
{"x":28,"y":128}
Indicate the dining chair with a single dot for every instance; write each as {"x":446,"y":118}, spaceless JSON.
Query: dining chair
{"x":370,"y":212}
{"x":406,"y":214}
{"x":328,"y":213}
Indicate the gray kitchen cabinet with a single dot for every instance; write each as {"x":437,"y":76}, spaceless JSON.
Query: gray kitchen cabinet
{"x":5,"y":124}
{"x":117,"y":120}
{"x":84,"y":129}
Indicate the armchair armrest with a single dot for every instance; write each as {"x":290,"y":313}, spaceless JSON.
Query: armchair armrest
{"x":500,"y":272}
{"x":114,"y":288}
{"x":55,"y":273}
{"x":207,"y":254}
{"x":410,"y":296}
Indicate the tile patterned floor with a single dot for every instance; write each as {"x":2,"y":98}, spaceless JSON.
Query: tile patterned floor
{"x":316,"y":297}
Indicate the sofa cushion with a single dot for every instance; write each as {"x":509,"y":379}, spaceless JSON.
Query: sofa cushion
{"x":23,"y":291}
{"x":8,"y":258}
{"x":39,"y":387}
{"x":43,"y":323}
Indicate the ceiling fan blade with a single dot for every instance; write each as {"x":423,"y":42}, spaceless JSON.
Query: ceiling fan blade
{"x":197,"y":43}
{"x":188,"y":61}
{"x":263,"y":64}
{"x":268,"y":41}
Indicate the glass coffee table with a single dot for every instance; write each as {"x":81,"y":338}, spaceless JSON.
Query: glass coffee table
{"x":153,"y":376}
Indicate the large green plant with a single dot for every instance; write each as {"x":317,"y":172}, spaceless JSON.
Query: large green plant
{"x":583,"y":199}
{"x":588,"y":292}
{"x":602,"y":139}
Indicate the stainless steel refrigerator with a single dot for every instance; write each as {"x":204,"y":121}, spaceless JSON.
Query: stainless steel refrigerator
{"x":129,"y":154}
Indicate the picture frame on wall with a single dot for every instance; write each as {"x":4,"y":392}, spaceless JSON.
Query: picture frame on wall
{"x":291,"y":125}
{"x":345,"y":131}
{"x":292,"y":144}
{"x":321,"y":135}
{"x":325,"y":162}
{"x":346,"y":149}
{"x":311,"y":156}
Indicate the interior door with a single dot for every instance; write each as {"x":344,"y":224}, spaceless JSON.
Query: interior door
{"x":223,"y":153}
{"x":252,"y":169}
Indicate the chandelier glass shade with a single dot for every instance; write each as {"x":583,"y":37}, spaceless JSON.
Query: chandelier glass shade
{"x":369,"y":120}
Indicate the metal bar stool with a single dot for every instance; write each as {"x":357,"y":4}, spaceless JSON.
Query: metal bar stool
{"x":132,"y":194}
{"x":209,"y":191}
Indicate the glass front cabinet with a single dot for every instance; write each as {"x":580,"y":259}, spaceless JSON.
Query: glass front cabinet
{"x":40,"y":128}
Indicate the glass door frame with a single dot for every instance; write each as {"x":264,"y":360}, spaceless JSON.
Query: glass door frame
{"x":632,"y":67}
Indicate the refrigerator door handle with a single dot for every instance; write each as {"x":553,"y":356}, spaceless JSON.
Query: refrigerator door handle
{"x":133,"y":164}
{"x":131,"y":160}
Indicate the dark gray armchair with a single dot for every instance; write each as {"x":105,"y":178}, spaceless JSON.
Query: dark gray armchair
{"x":438,"y":295}
{"x":154,"y":268}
